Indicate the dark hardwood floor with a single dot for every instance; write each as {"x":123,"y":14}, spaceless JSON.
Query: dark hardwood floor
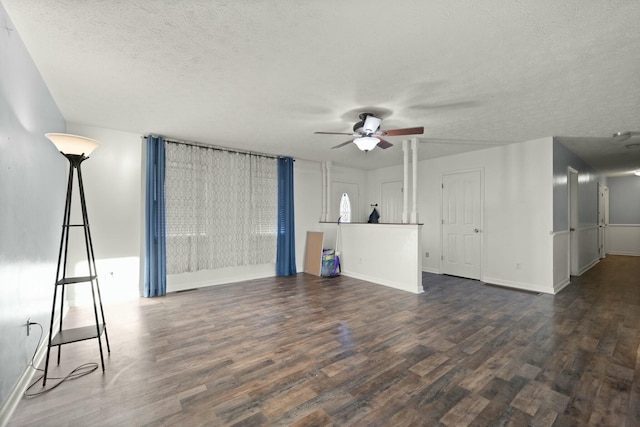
{"x":306,"y":351}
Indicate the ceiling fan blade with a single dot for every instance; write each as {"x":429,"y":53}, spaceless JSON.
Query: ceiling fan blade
{"x":335,"y":133}
{"x":343,"y":144}
{"x":405,"y":131}
{"x":384,"y":144}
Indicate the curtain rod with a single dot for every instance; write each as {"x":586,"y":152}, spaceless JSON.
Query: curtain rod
{"x":213,"y":147}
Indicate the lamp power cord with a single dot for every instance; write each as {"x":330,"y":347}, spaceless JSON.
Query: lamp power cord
{"x":78,"y":372}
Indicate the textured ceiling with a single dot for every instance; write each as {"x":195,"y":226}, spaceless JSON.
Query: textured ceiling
{"x":264,"y":75}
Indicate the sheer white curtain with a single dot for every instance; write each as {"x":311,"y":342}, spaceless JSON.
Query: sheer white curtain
{"x":221,"y":208}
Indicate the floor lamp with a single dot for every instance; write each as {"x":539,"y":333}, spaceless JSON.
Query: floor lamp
{"x":76,"y":149}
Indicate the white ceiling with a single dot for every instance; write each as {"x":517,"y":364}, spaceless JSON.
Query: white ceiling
{"x":264,"y":75}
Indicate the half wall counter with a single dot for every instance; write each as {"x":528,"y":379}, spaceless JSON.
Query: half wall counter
{"x":382,"y":253}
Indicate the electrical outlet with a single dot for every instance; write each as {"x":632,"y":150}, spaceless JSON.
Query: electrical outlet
{"x":28,"y":326}
{"x":426,"y":254}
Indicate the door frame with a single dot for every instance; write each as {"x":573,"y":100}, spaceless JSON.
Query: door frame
{"x":572,"y":219}
{"x":481,"y":257}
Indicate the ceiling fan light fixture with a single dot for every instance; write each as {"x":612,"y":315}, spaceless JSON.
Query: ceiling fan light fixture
{"x":371,"y":124}
{"x":366,"y":143}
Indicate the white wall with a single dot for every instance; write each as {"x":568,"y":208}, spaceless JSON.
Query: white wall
{"x":623,"y":232}
{"x":561,"y":265}
{"x":624,"y":199}
{"x":623,"y":239}
{"x":516,"y":238}
{"x":33,"y":178}
{"x":387,"y":254}
{"x":307,"y":189}
{"x":112,"y":183}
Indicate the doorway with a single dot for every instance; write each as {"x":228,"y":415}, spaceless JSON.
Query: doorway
{"x":461,"y":224}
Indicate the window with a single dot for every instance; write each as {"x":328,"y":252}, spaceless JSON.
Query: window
{"x":345,"y":208}
{"x":221,"y":208}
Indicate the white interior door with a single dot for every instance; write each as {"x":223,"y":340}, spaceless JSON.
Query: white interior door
{"x":461,"y":224}
{"x":602,"y":219}
{"x":391,"y":203}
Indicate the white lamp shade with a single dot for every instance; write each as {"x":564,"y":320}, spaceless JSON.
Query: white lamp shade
{"x":637,"y":173}
{"x":366,"y":143}
{"x":73,"y":144}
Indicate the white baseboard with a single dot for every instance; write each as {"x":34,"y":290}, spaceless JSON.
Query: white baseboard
{"x":10,"y":405}
{"x":430,"y":270}
{"x":560,"y":286}
{"x":623,"y":253}
{"x":588,"y":267}
{"x":391,"y":284}
{"x":222,"y":276}
{"x":25,"y":380}
{"x":517,"y":285}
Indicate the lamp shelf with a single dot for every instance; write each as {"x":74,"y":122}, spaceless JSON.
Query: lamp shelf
{"x":72,"y":280}
{"x":78,"y":334}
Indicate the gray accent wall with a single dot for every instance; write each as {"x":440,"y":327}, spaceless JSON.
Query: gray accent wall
{"x":32,"y":189}
{"x":563,"y":158}
{"x":624,"y":199}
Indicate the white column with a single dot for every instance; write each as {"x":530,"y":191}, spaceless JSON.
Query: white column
{"x":414,"y":188}
{"x":323,"y":214}
{"x":405,"y":195}
{"x":328,"y":198}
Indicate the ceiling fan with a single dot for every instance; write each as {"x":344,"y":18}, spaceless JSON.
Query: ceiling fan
{"x":368,"y":133}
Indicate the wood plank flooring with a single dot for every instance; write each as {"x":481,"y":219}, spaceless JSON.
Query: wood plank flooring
{"x":305,"y":351}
